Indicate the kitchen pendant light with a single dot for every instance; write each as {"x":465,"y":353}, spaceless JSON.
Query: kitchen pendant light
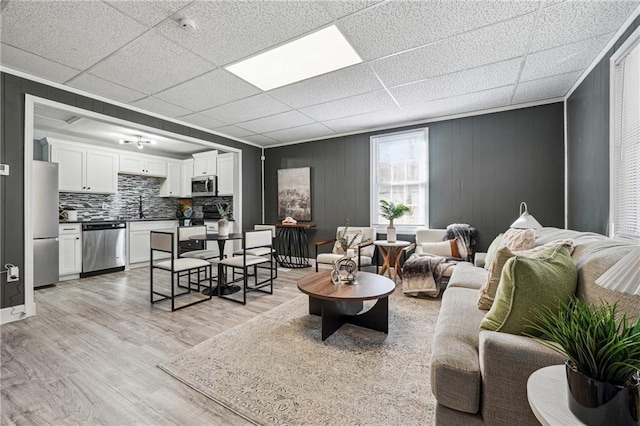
{"x":139,"y":142}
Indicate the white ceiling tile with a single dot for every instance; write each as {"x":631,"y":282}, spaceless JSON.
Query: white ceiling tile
{"x":105,"y":88}
{"x":160,"y":107}
{"x":261,"y":140}
{"x":35,"y":65}
{"x":458,"y":104}
{"x":467,"y":81}
{"x":75,"y":33}
{"x":234,"y":131}
{"x":545,"y":88}
{"x":230,"y":30}
{"x":355,"y":105}
{"x":398,"y":26}
{"x":577,"y":20}
{"x":281,"y":121}
{"x":214,"y":88}
{"x":148,"y":12}
{"x":563,"y":59}
{"x":370,"y":120}
{"x":310,"y":131}
{"x":335,"y":85}
{"x":473,"y":49}
{"x":247,"y":109}
{"x":202,"y":121}
{"x":150,"y":64}
{"x":339,"y":9}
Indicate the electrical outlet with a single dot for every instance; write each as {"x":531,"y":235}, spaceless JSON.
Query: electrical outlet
{"x":13,"y":274}
{"x":4,"y":170}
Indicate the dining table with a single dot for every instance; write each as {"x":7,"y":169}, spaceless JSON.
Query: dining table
{"x":222,"y":279}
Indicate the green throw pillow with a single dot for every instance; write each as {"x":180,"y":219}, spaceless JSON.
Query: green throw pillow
{"x":531,"y":282}
{"x":491,"y":251}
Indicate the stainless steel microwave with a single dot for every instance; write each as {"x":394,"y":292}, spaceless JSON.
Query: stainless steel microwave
{"x":204,"y":186}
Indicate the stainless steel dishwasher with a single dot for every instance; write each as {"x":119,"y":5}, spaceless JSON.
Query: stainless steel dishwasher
{"x":104,"y":247}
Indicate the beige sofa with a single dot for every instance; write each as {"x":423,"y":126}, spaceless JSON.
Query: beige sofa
{"x":479,"y":377}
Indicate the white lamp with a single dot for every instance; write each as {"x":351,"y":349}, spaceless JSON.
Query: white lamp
{"x":624,"y":276}
{"x":525,"y":221}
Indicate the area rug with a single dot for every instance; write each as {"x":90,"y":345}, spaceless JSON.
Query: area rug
{"x":275,"y":369}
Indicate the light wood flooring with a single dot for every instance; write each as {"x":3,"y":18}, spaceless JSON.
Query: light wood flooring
{"x":89,"y":356}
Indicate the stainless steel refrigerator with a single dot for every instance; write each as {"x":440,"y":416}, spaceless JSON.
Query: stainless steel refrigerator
{"x":45,"y":223}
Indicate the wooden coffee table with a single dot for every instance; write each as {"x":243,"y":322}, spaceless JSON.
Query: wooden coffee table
{"x":341,"y":304}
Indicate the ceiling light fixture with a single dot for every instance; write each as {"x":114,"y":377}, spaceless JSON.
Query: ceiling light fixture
{"x":139,"y":141}
{"x":315,"y":54}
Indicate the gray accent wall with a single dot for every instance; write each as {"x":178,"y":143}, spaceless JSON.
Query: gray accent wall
{"x":12,"y":93}
{"x":480,"y":169}
{"x":588,"y":147}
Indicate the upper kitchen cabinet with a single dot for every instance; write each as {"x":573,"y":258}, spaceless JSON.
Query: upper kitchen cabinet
{"x":226,"y":173}
{"x":187,"y":174}
{"x":143,"y":165}
{"x":83,"y":168}
{"x":172,"y":185}
{"x":205,"y":163}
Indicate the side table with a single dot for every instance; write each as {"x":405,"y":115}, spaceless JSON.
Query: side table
{"x":547,"y":393}
{"x":391,"y":257}
{"x":292,"y":246}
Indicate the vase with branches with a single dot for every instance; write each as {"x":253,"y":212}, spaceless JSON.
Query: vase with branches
{"x":345,"y":239}
{"x":391,"y":211}
{"x":223,"y":222}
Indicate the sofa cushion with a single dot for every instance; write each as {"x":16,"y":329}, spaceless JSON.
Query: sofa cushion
{"x":455,"y":366}
{"x":492,"y":250}
{"x":528,"y":283}
{"x":465,"y":275}
{"x":447,"y":248}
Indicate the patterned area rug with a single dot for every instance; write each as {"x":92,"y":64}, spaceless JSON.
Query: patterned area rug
{"x":275,"y":369}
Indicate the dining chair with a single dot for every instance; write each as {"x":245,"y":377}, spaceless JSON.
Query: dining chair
{"x":263,"y":251}
{"x":252,"y":240}
{"x":195,"y":249}
{"x":163,"y":242}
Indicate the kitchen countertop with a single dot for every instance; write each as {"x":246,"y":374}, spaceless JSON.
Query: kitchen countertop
{"x":151,"y":219}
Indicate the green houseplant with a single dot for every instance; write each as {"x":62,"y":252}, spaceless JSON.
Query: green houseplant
{"x":223,"y":222}
{"x":391,"y":211}
{"x":603,"y":360}
{"x":347,"y":239}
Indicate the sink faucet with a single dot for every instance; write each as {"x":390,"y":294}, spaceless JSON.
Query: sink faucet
{"x":140,"y":208}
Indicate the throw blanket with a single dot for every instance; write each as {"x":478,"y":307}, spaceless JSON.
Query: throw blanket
{"x":421,"y":275}
{"x":466,"y":238}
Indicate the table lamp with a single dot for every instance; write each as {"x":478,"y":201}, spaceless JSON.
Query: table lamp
{"x":525,"y":221}
{"x":624,"y":276}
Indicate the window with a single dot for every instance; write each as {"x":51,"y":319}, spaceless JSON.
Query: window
{"x":400,"y":174}
{"x":625,"y":140}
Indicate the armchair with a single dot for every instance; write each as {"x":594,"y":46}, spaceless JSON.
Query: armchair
{"x":364,"y":250}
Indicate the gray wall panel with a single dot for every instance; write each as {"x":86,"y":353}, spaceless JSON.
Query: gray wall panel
{"x":480,"y":168}
{"x":12,"y":92}
{"x":588,"y":147}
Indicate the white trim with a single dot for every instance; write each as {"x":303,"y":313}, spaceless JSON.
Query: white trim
{"x":566,"y":165}
{"x":120,"y":104}
{"x":15,"y":313}
{"x":604,"y":51}
{"x":421,"y":122}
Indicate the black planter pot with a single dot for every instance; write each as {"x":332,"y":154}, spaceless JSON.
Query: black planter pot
{"x":602,"y":404}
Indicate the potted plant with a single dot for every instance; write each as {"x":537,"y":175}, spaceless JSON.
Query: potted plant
{"x":391,"y":211}
{"x":346,"y":239}
{"x":223,"y":222}
{"x":603,"y":360}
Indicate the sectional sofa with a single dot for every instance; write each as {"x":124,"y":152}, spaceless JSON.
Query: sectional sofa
{"x":479,"y":377}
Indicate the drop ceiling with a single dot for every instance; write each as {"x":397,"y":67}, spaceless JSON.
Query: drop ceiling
{"x":421,"y":59}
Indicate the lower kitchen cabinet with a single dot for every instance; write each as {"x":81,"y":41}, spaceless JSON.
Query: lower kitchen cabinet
{"x":140,"y":239}
{"x":70,"y":243}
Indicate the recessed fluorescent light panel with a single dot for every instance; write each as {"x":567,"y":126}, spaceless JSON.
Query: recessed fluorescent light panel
{"x":318,"y":53}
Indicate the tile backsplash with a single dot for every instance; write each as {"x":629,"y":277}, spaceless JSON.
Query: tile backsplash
{"x":125,"y":204}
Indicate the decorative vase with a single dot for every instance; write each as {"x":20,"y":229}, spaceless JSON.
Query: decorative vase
{"x":600,"y":403}
{"x":391,"y":233}
{"x":223,"y":228}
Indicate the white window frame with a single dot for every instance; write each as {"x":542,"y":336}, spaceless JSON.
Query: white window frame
{"x":373,"y":197}
{"x":627,"y":47}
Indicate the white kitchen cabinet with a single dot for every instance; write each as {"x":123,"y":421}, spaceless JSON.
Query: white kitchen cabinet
{"x":172,"y":185}
{"x":83,"y":169}
{"x":205,"y":163}
{"x":142,"y":165}
{"x":70,"y":243}
{"x":187,"y":174}
{"x":140,"y":239}
{"x":226,"y":173}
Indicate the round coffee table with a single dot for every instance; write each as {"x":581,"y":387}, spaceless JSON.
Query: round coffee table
{"x":341,"y":304}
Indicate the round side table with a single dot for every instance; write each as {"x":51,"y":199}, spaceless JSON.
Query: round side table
{"x":547,"y":393}
{"x":391,"y":257}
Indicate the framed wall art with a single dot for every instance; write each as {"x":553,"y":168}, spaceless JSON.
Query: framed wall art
{"x":294,"y":193}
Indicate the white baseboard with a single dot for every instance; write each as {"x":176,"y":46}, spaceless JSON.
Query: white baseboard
{"x":15,"y":313}
{"x":68,"y":277}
